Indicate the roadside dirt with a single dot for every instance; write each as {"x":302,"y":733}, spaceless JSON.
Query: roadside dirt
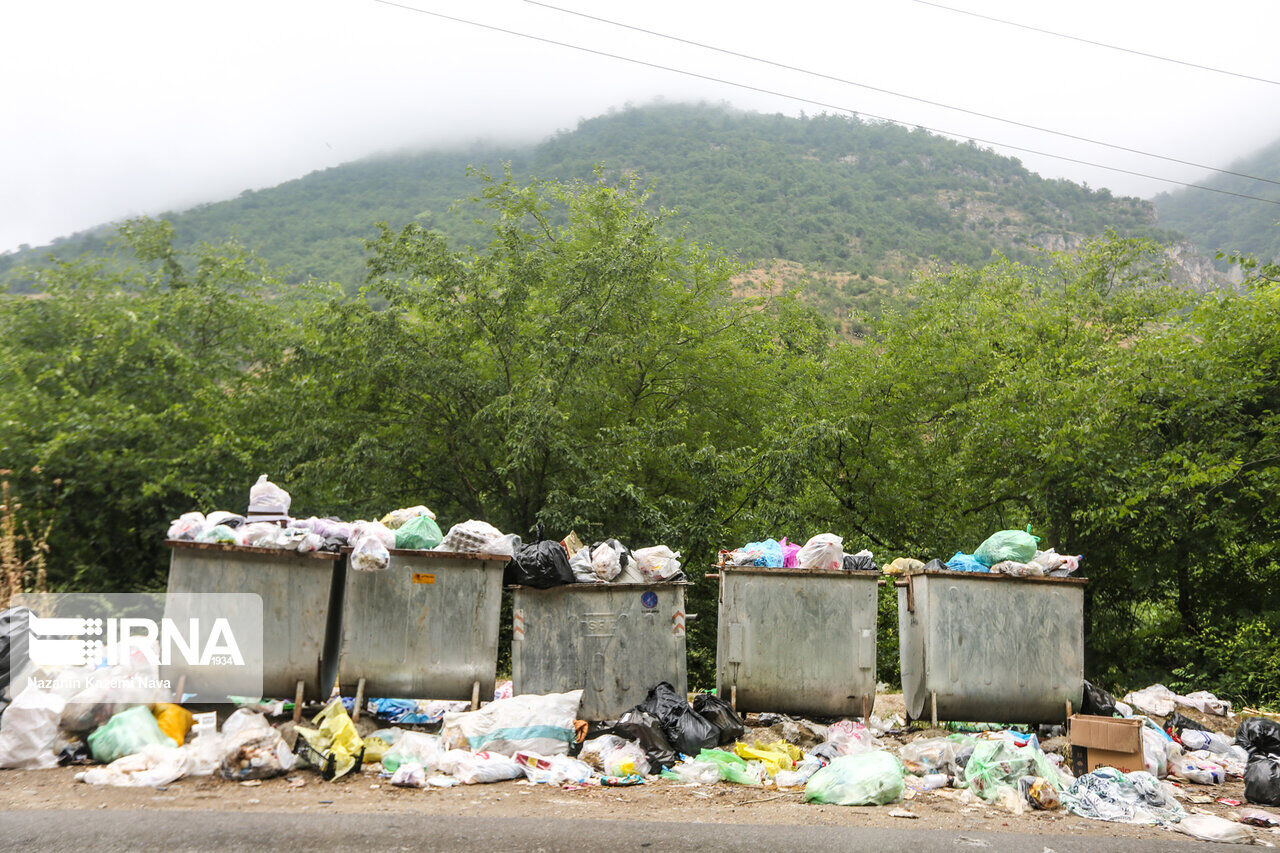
{"x":303,"y":792}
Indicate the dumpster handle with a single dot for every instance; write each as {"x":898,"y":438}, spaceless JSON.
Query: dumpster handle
{"x":911,"y":592}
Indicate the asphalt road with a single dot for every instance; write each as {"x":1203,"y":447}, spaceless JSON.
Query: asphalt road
{"x":165,"y":830}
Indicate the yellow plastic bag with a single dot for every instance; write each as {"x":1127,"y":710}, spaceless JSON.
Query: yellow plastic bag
{"x":335,"y":734}
{"x":173,"y":720}
{"x":775,"y":756}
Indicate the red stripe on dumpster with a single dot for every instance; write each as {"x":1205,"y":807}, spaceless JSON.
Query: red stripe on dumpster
{"x":677,"y":619}
{"x":517,"y":624}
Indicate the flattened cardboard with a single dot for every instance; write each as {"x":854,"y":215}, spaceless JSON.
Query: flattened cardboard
{"x":1105,"y":742}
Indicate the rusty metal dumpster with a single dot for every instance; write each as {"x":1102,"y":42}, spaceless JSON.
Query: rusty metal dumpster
{"x":426,"y":627}
{"x":614,"y":641}
{"x":988,"y":647}
{"x":800,"y":641}
{"x":301,"y":607}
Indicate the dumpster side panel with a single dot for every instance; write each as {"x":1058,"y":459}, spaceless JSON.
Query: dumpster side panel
{"x":612,"y":641}
{"x":797,"y":642}
{"x":424,"y":628}
{"x":1006,"y":650}
{"x":295,"y":592}
{"x":912,"y":618}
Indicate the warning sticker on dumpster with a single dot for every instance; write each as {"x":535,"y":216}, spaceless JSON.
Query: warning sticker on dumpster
{"x":649,"y":600}
{"x":423,"y":577}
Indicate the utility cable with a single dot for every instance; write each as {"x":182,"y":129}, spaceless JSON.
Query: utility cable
{"x":813,"y":102}
{"x":915,"y":98}
{"x":1098,"y":43}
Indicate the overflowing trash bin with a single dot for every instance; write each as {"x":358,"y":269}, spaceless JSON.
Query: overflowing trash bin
{"x":612,"y":641}
{"x":797,"y":640}
{"x":427,"y":626}
{"x":986,"y":646}
{"x":301,"y":607}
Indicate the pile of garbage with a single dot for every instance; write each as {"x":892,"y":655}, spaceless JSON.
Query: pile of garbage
{"x":1011,"y":552}
{"x":547,"y":563}
{"x":542,"y":564}
{"x":824,"y":552}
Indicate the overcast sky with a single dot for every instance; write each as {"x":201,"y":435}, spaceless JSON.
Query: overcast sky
{"x":130,"y":107}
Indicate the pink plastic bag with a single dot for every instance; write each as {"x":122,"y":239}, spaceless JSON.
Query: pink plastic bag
{"x":790,"y":552}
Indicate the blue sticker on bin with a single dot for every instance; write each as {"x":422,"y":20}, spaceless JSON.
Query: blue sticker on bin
{"x":649,"y":600}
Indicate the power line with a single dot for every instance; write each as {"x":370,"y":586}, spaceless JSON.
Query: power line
{"x":884,"y":91}
{"x":816,"y":103}
{"x":1099,"y":43}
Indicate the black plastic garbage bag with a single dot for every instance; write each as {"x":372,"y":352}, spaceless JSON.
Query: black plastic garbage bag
{"x":646,"y":730}
{"x":662,"y":700}
{"x":855,"y":563}
{"x":1097,"y":702}
{"x":1262,"y":780}
{"x":721,"y":715}
{"x":540,"y":565}
{"x":685,"y":730}
{"x":1177,"y":724}
{"x":690,"y":732}
{"x":1259,"y":735}
{"x":935,"y":566}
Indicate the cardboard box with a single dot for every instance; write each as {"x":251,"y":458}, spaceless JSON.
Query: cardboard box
{"x":1104,"y":742}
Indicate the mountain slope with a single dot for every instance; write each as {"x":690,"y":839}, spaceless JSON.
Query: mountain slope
{"x":1223,"y":223}
{"x":844,"y":199}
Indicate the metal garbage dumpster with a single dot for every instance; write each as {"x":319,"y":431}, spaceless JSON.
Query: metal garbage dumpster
{"x":614,"y":641}
{"x":426,"y":627}
{"x":800,"y":641}
{"x":988,"y":647}
{"x":301,"y":607}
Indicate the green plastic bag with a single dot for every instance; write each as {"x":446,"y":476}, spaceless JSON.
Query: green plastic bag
{"x":420,"y":533}
{"x":865,"y":779}
{"x":732,"y":767}
{"x":1016,"y":545}
{"x":996,"y":762}
{"x":125,"y":733}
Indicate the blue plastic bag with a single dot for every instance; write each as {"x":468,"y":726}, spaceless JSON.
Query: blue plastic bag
{"x":768,"y":553}
{"x":963,"y":562}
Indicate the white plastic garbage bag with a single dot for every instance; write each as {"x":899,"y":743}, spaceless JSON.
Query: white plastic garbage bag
{"x":615,"y":756}
{"x":477,"y":768}
{"x":267,"y":499}
{"x":658,"y":563}
{"x":368,"y":554}
{"x":525,"y":723}
{"x":824,"y":551}
{"x":474,"y":536}
{"x":409,"y":775}
{"x":189,"y":525}
{"x":412,"y":747}
{"x":243,"y":719}
{"x":156,"y":764}
{"x":1206,"y":703}
{"x":553,"y":770}
{"x":1156,"y":700}
{"x":28,"y":730}
{"x":1209,"y":828}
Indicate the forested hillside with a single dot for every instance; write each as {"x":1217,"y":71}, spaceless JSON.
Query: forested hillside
{"x":853,"y":204}
{"x":1223,"y":223}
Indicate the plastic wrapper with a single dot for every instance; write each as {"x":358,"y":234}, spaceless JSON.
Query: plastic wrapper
{"x":1210,"y":828}
{"x":420,"y":533}
{"x":174,"y":720}
{"x":938,"y":755}
{"x":555,"y":770}
{"x":413,"y":748}
{"x":1137,"y":797}
{"x":658,"y":563}
{"x":1039,"y":792}
{"x":472,"y":536}
{"x":721,"y":715}
{"x":775,"y":756}
{"x":266,"y":497}
{"x":255,"y":753}
{"x":824,"y":551}
{"x":1262,"y":780}
{"x":397,"y":517}
{"x":409,"y":775}
{"x":696,"y":772}
{"x":850,"y":737}
{"x":1199,"y":771}
{"x":218,"y":534}
{"x":243,"y":719}
{"x":733,"y":768}
{"x":154,"y":765}
{"x":187,"y":526}
{"x":127,"y":732}
{"x":29,"y":729}
{"x":867,"y":779}
{"x":541,"y":724}
{"x":475,"y":768}
{"x":368,"y":554}
{"x":1016,"y":546}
